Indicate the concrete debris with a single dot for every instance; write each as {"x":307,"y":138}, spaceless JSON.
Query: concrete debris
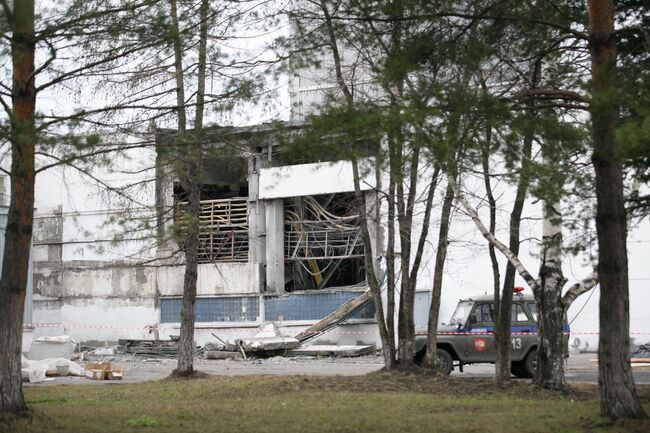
{"x":268,"y":329}
{"x":213,"y":347}
{"x":35,"y":371}
{"x":642,"y":352}
{"x":262,"y":344}
{"x":222,"y":354}
{"x":150,"y":347}
{"x":103,"y":351}
{"x":331,"y":350}
{"x":61,"y":346}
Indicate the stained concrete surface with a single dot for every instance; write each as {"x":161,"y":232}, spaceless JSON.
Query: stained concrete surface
{"x":580,"y":368}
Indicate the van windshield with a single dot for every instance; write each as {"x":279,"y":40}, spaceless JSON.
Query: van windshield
{"x":462,"y":312}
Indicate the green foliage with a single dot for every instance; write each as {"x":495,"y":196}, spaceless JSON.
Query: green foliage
{"x":144,"y":421}
{"x":633,"y":134}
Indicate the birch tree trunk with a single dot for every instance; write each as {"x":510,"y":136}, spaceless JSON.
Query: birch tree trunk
{"x":18,"y":234}
{"x":548,"y":295}
{"x":618,"y":397}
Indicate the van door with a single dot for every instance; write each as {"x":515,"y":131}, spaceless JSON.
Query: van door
{"x":523,"y":333}
{"x":480,"y":333}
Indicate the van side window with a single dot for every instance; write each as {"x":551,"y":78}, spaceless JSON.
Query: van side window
{"x":532,"y":307}
{"x":482,"y":314}
{"x":518,"y":313}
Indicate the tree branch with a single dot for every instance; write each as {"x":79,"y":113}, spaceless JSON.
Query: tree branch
{"x":514,"y":260}
{"x":579,"y":288}
{"x":550,"y":94}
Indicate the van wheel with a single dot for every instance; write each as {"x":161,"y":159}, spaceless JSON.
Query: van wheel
{"x":445,"y":361}
{"x":529,"y":365}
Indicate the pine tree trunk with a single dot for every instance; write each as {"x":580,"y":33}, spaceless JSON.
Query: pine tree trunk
{"x":390,"y":264}
{"x":485,"y":162}
{"x":618,"y":397}
{"x":431,"y":358}
{"x":18,"y":234}
{"x":186,"y":346}
{"x":190,"y":177}
{"x":503,"y":325}
{"x":387,"y":348}
{"x":406,"y":323}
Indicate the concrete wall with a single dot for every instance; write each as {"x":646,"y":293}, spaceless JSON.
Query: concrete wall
{"x":313,"y":179}
{"x":106,"y":301}
{"x":213,"y":279}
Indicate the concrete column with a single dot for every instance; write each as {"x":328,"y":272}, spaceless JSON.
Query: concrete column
{"x":374,"y":229}
{"x":256,"y":215}
{"x":275,"y":246}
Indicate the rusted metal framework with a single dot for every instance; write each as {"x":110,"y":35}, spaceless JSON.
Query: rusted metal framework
{"x":322,"y":239}
{"x":224,"y":230}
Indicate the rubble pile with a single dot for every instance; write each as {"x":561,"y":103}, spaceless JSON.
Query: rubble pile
{"x":642,"y":352}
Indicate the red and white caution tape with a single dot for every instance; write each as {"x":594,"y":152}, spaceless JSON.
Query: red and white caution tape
{"x":235,"y":329}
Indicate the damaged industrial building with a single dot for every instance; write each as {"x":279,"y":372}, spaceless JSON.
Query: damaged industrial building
{"x":280,"y":239}
{"x":279,"y":242}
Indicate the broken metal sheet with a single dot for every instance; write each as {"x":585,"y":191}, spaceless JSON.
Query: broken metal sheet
{"x":332,"y":350}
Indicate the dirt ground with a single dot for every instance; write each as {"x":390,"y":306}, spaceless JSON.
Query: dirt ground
{"x":580,"y":368}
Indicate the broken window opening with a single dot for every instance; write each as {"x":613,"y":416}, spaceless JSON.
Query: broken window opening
{"x":323,"y":245}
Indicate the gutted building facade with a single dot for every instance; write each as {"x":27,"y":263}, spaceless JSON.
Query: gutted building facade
{"x":279,"y":241}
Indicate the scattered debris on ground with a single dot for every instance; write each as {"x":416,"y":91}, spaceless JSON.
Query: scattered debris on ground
{"x":641,"y":353}
{"x":150,"y":347}
{"x":222,"y":354}
{"x":103,"y":371}
{"x":36,"y":371}
{"x":331,"y":350}
{"x":269,"y":343}
{"x":262,"y":344}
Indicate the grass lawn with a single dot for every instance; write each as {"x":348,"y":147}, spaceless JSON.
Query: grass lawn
{"x":378,"y":402}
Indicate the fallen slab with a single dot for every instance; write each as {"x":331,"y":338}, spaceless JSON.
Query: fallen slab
{"x":60,"y":346}
{"x":332,"y":351}
{"x":149,"y":347}
{"x":262,"y":344}
{"x":222,"y":354}
{"x":336,"y":317}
